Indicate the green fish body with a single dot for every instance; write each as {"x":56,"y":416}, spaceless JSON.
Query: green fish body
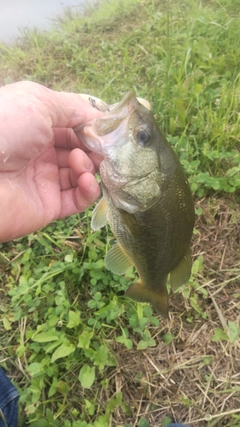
{"x":146,"y":199}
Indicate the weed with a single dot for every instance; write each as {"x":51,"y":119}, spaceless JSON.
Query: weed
{"x":78,"y":348}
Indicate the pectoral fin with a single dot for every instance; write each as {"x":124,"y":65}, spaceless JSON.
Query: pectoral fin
{"x":182,"y":272}
{"x":130,"y":221}
{"x":99,"y":215}
{"x":117,"y":260}
{"x":158,"y":298}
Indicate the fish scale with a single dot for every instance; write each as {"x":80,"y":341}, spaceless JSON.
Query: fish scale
{"x":146,"y":199}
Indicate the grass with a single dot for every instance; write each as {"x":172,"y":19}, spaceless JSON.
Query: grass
{"x":81,"y":354}
{"x":184,"y":59}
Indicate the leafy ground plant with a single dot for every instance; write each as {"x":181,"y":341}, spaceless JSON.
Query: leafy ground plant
{"x":81,"y":354}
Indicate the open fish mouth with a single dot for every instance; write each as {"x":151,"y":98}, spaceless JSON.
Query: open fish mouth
{"x":103,"y":133}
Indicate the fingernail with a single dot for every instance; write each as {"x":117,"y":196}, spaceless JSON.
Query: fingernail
{"x":94,"y":189}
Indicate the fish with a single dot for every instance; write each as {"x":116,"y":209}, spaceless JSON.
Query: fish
{"x":146,"y":199}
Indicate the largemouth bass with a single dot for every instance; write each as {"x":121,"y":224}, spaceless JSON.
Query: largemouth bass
{"x":146,"y":199}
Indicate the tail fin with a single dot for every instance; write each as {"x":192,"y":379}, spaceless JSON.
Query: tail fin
{"x":158,"y":298}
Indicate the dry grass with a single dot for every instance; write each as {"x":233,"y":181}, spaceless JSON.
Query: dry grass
{"x":193,"y":379}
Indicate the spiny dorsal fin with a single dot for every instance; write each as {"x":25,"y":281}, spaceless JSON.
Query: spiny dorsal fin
{"x":158,"y":298}
{"x":117,"y":261}
{"x":182,"y":272}
{"x":99,"y":215}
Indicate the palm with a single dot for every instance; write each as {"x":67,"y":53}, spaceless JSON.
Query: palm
{"x":41,"y":184}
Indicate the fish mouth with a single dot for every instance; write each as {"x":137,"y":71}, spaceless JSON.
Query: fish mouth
{"x":101,"y":134}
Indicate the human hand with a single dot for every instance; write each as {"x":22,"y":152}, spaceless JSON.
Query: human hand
{"x":45,"y":171}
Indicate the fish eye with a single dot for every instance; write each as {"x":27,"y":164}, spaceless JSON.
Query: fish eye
{"x":143,"y":137}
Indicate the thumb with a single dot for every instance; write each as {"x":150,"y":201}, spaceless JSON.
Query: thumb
{"x":64,"y":109}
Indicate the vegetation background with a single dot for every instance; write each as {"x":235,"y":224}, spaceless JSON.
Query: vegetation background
{"x":81,"y":354}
